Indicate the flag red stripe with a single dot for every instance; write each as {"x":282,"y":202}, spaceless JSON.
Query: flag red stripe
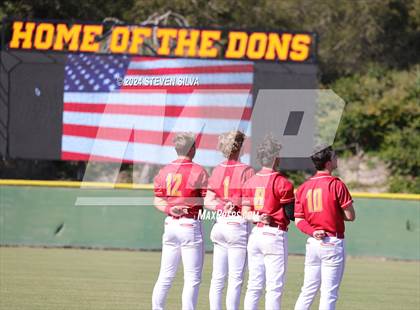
{"x":206,"y":141}
{"x":169,"y":111}
{"x":186,"y":70}
{"x":86,"y":157}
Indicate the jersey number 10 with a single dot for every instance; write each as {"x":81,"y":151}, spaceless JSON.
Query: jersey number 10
{"x":314,"y":200}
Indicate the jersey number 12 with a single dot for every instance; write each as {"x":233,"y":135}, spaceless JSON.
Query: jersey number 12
{"x":173,"y":189}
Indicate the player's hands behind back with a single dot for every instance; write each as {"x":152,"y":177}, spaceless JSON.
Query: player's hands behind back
{"x":178,"y":211}
{"x":265,"y":219}
{"x":229,"y":207}
{"x":319,"y":234}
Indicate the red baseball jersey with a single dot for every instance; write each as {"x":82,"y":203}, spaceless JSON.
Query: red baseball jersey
{"x":321,"y":200}
{"x":267,"y":192}
{"x":227,"y":180}
{"x":182,"y":183}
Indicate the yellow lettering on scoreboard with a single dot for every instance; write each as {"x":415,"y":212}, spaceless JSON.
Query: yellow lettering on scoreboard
{"x":137,"y":38}
{"x":22,"y":38}
{"x":187,"y":42}
{"x":278,"y":46}
{"x":119,"y":40}
{"x":299,"y":47}
{"x":236,"y":45}
{"x":68,"y":36}
{"x":179,"y":42}
{"x":165,"y":36}
{"x":257,"y":45}
{"x":207,"y":48}
{"x":89,"y":43}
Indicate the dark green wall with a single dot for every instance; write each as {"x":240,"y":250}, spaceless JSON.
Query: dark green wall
{"x":48,"y":216}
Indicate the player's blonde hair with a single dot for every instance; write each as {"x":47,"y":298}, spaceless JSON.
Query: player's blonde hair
{"x":231,"y":142}
{"x":184,"y":141}
{"x":268,"y":151}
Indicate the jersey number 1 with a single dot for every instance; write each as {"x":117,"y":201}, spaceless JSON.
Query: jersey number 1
{"x":314,"y":200}
{"x":173,"y":189}
{"x":226,"y":182}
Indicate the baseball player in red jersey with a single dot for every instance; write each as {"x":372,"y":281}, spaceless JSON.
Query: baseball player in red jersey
{"x":270,"y":198}
{"x":230,"y":233}
{"x":323,"y":203}
{"x":180,"y":188}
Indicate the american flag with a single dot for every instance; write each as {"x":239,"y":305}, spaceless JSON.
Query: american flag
{"x":104,"y":120}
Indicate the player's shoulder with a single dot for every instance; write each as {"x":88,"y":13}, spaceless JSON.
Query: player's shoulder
{"x":281,"y":179}
{"x":164,"y":169}
{"x":337,"y":179}
{"x":235,"y":167}
{"x":198,"y":169}
{"x":218,"y":171}
{"x":307,"y":183}
{"x":252,"y":180}
{"x":219,"y":168}
{"x":321,"y":178}
{"x":178,"y":167}
{"x":161,"y":174}
{"x":338,"y":183}
{"x":247,"y":167}
{"x":326,"y":181}
{"x":245,"y":171}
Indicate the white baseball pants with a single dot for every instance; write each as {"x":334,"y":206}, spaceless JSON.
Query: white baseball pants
{"x":267,"y":263}
{"x":183,"y":238}
{"x":230,"y":238}
{"x":324,"y":267}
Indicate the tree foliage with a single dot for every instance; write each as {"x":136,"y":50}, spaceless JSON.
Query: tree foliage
{"x":382,"y":116}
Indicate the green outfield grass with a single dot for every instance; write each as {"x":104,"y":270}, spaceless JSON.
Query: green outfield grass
{"x":33,"y":278}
